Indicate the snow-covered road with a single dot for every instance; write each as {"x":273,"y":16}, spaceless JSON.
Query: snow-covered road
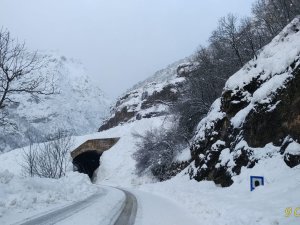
{"x":157,"y":210}
{"x":129,"y":210}
{"x":61,"y":214}
{"x":104,"y":207}
{"x":115,"y":206}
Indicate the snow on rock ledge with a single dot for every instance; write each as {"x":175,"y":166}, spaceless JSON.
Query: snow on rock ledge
{"x":257,"y":116}
{"x":151,"y":97}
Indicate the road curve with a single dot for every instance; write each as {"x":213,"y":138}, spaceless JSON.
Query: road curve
{"x":126,"y":215}
{"x":63,"y":213}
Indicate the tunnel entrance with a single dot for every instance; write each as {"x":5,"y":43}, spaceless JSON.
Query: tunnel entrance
{"x":87,"y":155}
{"x":87,"y":162}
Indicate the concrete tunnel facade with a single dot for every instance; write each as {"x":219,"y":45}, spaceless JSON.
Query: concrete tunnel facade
{"x":86,"y":157}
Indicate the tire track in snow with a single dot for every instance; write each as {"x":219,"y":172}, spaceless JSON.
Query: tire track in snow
{"x":128,"y":213}
{"x":63,"y":213}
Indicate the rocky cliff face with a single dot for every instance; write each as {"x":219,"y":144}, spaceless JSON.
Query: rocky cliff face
{"x":151,"y":97}
{"x":257,"y":116}
{"x":77,"y":108}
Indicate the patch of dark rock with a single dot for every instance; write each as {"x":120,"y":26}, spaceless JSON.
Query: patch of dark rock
{"x":138,"y":116}
{"x":145,"y":95}
{"x":222,"y":177}
{"x":240,"y":161}
{"x":164,"y":96}
{"x":263,"y":126}
{"x":120,"y":116}
{"x":285,"y":144}
{"x":126,"y":96}
{"x":166,"y":172}
{"x":292,"y":160}
{"x":233,"y":103}
{"x":253,"y":85}
{"x":295,"y":29}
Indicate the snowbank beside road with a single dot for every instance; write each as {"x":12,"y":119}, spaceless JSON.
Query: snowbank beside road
{"x":159,"y":210}
{"x":21,"y":196}
{"x":236,"y":204}
{"x":209,"y":204}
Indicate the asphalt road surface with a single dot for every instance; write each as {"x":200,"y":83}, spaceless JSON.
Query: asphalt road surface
{"x":128,"y":213}
{"x":126,"y":216}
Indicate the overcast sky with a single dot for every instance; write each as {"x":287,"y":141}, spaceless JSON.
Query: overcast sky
{"x":120,"y":42}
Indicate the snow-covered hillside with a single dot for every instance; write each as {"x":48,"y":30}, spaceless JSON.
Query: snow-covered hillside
{"x":257,"y":116}
{"x":203,"y":201}
{"x":21,"y":196}
{"x":151,"y":97}
{"x":251,"y":130}
{"x":78,"y":107}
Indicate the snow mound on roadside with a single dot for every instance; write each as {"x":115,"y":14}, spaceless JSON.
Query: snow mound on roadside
{"x":19,"y":194}
{"x":236,"y":204}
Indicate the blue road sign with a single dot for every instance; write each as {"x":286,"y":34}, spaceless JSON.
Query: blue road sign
{"x":256,"y":181}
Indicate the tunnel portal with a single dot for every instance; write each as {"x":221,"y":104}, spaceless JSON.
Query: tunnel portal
{"x":87,"y":162}
{"x":86,"y":157}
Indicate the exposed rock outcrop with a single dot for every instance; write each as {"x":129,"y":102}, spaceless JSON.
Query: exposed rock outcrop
{"x":185,"y":69}
{"x":152,"y":97}
{"x":257,"y":116}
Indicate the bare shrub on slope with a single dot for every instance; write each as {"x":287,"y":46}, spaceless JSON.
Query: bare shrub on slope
{"x":156,"y":154}
{"x":50,"y":159}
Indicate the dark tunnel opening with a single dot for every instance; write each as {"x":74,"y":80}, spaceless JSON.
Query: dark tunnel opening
{"x":87,"y":162}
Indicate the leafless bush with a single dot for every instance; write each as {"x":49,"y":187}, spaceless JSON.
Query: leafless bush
{"x":49,"y":159}
{"x":156,"y":152}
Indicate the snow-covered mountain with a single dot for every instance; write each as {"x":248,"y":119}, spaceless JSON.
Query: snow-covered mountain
{"x":252,"y":129}
{"x":151,"y":97}
{"x":77,"y":107}
{"x":257,"y":116}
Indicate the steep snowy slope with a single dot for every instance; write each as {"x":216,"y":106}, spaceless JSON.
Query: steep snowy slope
{"x":23,"y":196}
{"x":78,"y":107}
{"x":257,"y":116}
{"x":150,"y":98}
{"x":253,"y":129}
{"x":208,"y":203}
